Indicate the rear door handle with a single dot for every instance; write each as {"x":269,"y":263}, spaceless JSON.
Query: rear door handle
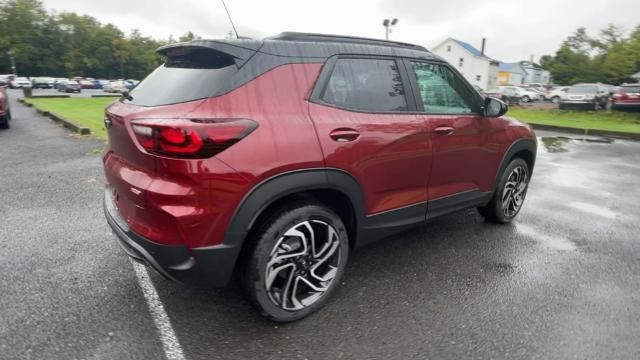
{"x":344,"y":134}
{"x":444,"y":130}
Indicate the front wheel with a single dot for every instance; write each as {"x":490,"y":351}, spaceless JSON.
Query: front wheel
{"x":4,"y":120}
{"x":510,"y":193}
{"x":297,"y":259}
{"x":555,"y":99}
{"x":525,"y":99}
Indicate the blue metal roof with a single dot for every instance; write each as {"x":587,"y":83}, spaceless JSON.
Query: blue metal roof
{"x":471,"y":49}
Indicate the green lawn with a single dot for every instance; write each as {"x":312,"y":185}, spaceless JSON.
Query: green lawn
{"x":87,"y":112}
{"x":598,"y":120}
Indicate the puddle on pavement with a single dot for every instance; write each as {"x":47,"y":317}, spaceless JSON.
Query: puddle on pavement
{"x":548,"y":241}
{"x":560,"y":144}
{"x":594,"y":209}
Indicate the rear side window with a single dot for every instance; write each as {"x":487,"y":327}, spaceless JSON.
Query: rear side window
{"x":371,"y":85}
{"x":631,"y":89}
{"x":186,"y":76}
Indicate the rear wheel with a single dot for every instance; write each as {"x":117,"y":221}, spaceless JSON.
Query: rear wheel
{"x":4,"y":120}
{"x":297,"y":259}
{"x":510,"y":193}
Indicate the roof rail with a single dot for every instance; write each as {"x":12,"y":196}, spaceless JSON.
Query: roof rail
{"x":311,"y":37}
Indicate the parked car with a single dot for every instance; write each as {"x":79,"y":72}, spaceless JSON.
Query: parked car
{"x":19,"y":82}
{"x":555,"y":94}
{"x":86,"y":84}
{"x":507,"y":94}
{"x":42,"y":82}
{"x":281,"y":185}
{"x":69,"y":86}
{"x":627,"y":97}
{"x":528,"y":95}
{"x":117,"y":86}
{"x":592,"y":96}
{"x":57,"y":81}
{"x":100,"y":83}
{"x":5,"y":111}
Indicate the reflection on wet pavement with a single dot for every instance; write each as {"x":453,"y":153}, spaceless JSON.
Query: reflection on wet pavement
{"x":561,"y":144}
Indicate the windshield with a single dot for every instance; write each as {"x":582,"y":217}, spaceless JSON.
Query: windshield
{"x":197,"y":74}
{"x":583,"y":90}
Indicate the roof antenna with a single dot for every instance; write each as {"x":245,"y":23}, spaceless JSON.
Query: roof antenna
{"x":230,"y":20}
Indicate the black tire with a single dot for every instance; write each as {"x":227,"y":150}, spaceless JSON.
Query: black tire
{"x":269,"y":234}
{"x":4,"y":120}
{"x":525,"y":99}
{"x":495,"y":211}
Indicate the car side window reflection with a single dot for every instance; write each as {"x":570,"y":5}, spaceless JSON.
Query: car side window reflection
{"x":441,"y":91}
{"x":372,"y":85}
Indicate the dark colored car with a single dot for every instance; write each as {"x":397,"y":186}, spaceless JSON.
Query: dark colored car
{"x":5,"y":111}
{"x":86,"y":84}
{"x":100,"y":83}
{"x":627,"y":97}
{"x":590,"y":96}
{"x":69,"y":86}
{"x":506,"y":94}
{"x":272,"y":159}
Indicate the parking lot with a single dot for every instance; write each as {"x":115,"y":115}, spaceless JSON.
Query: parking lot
{"x":562,"y":282}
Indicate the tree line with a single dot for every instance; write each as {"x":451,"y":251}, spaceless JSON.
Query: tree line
{"x":67,"y":44}
{"x":611,"y":57}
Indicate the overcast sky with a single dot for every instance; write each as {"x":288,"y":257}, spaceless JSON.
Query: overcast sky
{"x":514,"y":29}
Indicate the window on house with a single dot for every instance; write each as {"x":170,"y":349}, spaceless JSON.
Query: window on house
{"x":448,"y":48}
{"x":372,"y":85}
{"x":478,"y":77}
{"x":461,"y":62}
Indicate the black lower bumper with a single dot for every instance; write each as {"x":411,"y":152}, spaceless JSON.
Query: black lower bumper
{"x":206,"y":267}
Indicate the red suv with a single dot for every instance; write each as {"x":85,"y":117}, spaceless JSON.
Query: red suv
{"x":627,"y":97}
{"x":5,"y":112}
{"x":270,"y":160}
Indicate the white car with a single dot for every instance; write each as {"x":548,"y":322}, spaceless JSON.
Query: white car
{"x":524,"y":94}
{"x":115,"y":87}
{"x":19,"y":82}
{"x":556,"y":94}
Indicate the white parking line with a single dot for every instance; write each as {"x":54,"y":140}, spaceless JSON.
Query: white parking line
{"x":170,"y":344}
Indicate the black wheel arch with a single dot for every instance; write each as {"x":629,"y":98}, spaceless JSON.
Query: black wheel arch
{"x":331,"y":187}
{"x":525,"y":148}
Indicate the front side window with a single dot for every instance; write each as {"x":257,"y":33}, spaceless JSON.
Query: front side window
{"x":371,"y":85}
{"x":441,"y":91}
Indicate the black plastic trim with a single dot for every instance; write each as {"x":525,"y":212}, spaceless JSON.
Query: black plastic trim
{"x":523,"y":144}
{"x":452,"y":203}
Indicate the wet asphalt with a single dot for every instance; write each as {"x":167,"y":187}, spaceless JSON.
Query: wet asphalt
{"x":562,"y":282}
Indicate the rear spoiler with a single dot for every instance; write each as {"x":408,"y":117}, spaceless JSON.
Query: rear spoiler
{"x":240,"y":50}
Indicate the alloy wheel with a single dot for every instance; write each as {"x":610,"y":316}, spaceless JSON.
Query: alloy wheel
{"x":514,"y":191}
{"x":302,"y":265}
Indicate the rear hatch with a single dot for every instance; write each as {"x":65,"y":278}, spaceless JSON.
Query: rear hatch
{"x":192,"y":73}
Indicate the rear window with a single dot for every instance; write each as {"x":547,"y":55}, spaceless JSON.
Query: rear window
{"x":186,"y":75}
{"x":631,"y":89}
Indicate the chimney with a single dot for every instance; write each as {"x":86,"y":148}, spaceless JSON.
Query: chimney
{"x":484,"y":42}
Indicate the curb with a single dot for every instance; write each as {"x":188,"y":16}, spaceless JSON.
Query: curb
{"x":605,"y":133}
{"x":60,"y":119}
{"x":105,"y":96}
{"x":50,"y":96}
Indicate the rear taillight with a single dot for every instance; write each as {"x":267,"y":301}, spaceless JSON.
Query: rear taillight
{"x":190,"y":138}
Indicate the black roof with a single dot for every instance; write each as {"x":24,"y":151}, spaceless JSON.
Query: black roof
{"x":307,"y":45}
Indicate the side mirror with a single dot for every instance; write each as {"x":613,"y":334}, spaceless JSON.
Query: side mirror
{"x":3,"y":83}
{"x":494,"y":107}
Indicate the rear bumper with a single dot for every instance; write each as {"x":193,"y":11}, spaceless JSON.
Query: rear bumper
{"x":204,"y":267}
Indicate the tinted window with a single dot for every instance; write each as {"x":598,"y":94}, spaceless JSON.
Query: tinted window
{"x":196,"y":74}
{"x":631,"y":89}
{"x":442,"y":91}
{"x":371,"y":85}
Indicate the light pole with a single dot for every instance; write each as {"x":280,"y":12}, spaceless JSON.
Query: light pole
{"x":387,"y":26}
{"x":13,"y":62}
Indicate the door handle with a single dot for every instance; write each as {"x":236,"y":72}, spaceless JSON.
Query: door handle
{"x":444,"y":130}
{"x":344,"y":134}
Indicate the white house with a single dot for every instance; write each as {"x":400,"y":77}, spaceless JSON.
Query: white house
{"x":477,"y":68}
{"x":535,"y":74}
{"x":511,"y":74}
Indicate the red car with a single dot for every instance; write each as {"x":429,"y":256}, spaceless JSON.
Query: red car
{"x":627,"y":97}
{"x":272,"y":159}
{"x":5,"y":112}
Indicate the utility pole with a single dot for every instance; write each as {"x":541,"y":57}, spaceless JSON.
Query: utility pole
{"x":13,"y":62}
{"x":387,"y":26}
